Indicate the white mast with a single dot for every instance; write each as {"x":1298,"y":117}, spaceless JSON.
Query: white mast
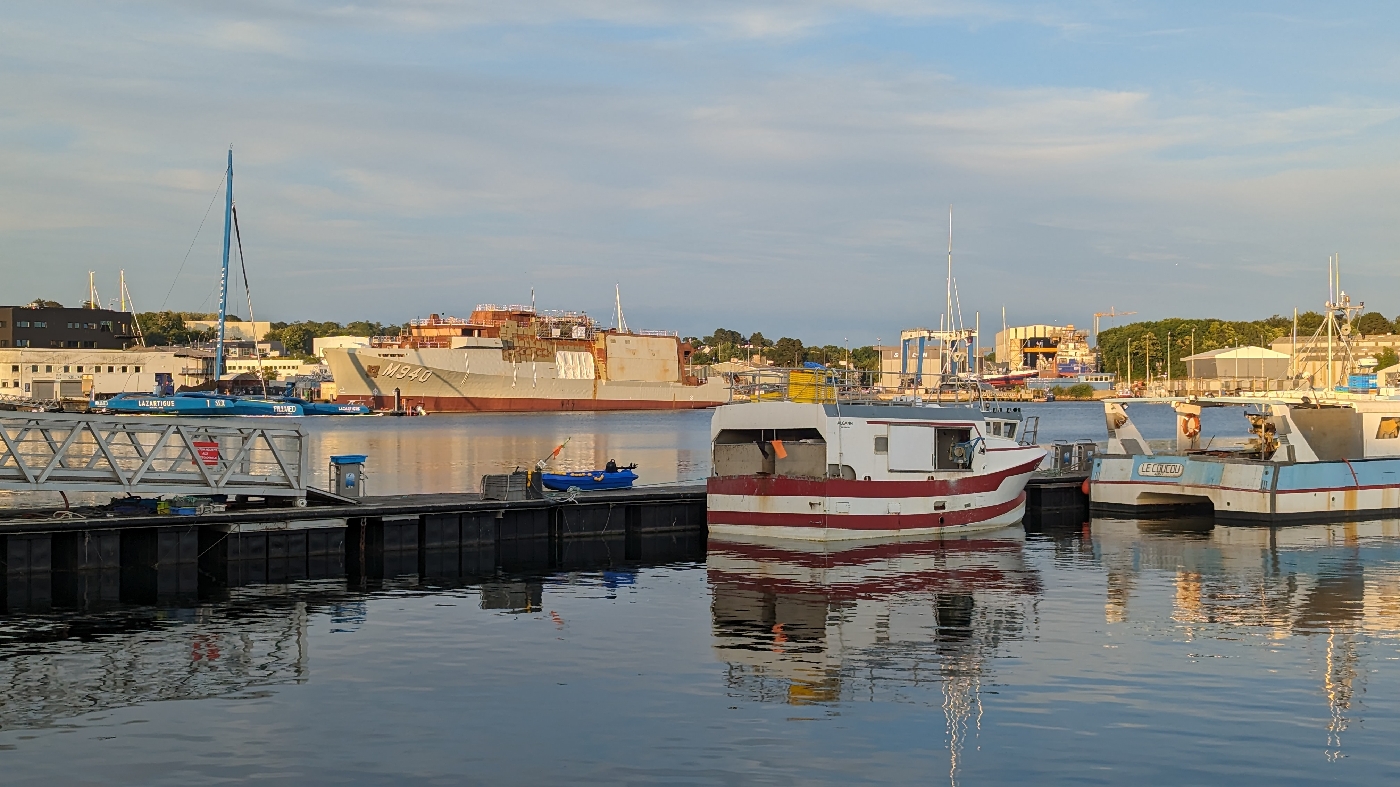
{"x":948,"y":303}
{"x":621,"y":320}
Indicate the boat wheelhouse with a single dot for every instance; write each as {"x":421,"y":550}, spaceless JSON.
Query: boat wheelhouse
{"x":814,"y":466}
{"x":1305,"y":461}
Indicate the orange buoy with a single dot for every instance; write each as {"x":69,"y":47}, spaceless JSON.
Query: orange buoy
{"x":1084,"y":487}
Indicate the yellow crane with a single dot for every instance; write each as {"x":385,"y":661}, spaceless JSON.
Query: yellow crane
{"x":1112,"y":312}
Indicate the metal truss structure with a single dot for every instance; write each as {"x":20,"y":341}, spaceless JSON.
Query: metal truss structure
{"x":61,"y":452}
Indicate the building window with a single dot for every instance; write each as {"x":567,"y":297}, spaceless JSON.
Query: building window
{"x":109,"y":370}
{"x":92,"y":326}
{"x":14,"y":367}
{"x":123,"y":370}
{"x":34,"y":368}
{"x":41,"y":325}
{"x":21,"y":342}
{"x":65,"y":370}
{"x":2,"y":323}
{"x":55,"y":343}
{"x":47,"y":368}
{"x":72,"y":325}
{"x":4,"y":342}
{"x":137,"y":369}
{"x":74,"y":344}
{"x":91,"y":345}
{"x":21,"y":323}
{"x":106,"y":326}
{"x":80,"y":370}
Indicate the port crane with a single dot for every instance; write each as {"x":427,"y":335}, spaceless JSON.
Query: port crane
{"x":1112,"y":312}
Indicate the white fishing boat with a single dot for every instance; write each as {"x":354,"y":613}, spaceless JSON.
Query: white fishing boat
{"x":1326,"y":450}
{"x":1306,"y":461}
{"x":815,"y":467}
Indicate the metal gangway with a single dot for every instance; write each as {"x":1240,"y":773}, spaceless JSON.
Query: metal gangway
{"x":156,"y":455}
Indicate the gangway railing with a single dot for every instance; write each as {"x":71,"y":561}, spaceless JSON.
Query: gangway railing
{"x":61,"y":452}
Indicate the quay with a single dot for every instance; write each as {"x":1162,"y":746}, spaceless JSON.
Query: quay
{"x":85,"y":556}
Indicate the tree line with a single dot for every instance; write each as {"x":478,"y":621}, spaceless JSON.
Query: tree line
{"x":1153,"y":340}
{"x":725,"y":345}
{"x":167,"y":328}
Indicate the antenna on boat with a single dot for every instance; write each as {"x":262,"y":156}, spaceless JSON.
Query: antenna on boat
{"x":223,"y":277}
{"x":621,"y":320}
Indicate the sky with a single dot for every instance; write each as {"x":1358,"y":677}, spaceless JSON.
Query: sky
{"x":775,"y":166}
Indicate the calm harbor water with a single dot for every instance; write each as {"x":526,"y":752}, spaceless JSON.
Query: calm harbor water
{"x":1105,"y":652}
{"x":1112,"y":652}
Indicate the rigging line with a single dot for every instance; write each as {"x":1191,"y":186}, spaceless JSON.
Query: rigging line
{"x":257,"y":353}
{"x":192,"y":242}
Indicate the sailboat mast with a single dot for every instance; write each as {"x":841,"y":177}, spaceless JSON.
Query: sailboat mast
{"x":948,"y":303}
{"x":223,"y":280}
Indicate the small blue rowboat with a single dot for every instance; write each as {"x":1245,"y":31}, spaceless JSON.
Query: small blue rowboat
{"x":589,"y":480}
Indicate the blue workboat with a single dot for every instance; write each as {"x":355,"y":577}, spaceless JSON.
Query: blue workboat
{"x":589,"y":480}
{"x":176,"y":404}
{"x":326,"y":408}
{"x":197,"y":403}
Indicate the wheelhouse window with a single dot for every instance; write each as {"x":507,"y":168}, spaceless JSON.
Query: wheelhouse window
{"x":1389,"y":428}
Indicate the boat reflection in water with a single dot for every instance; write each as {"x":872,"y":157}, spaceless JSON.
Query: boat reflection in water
{"x":1337,"y":585}
{"x":811,"y":624}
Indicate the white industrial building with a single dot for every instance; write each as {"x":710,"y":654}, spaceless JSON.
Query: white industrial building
{"x":46,"y":375}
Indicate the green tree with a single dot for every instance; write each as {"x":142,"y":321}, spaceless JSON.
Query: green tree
{"x":295,"y":338}
{"x":867,"y":358}
{"x":786,"y":352}
{"x":1386,"y":358}
{"x":1372,"y":323}
{"x":1080,"y":391}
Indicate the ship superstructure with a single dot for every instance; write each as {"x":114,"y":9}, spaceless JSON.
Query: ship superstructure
{"x":517,"y":359}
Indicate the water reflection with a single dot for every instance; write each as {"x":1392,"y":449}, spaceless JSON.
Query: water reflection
{"x":450,"y":453}
{"x":1338,"y":584}
{"x":55,"y":667}
{"x":807,"y":625}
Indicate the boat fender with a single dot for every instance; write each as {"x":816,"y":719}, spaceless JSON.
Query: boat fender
{"x":1191,"y":424}
{"x":1084,"y":487}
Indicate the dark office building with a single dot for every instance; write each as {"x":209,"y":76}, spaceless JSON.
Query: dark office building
{"x":45,"y":328}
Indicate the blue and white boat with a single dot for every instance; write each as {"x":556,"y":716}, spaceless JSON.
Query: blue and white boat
{"x":175,"y":404}
{"x":197,"y":403}
{"x":1306,"y":461}
{"x":589,"y":480}
{"x":327,"y":408}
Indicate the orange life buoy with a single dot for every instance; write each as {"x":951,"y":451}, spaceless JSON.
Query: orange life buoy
{"x":1190,"y":424}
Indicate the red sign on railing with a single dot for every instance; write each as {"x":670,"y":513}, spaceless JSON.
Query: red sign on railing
{"x":208,"y":452}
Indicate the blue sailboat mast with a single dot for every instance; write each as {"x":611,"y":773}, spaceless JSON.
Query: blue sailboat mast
{"x":223,"y":282}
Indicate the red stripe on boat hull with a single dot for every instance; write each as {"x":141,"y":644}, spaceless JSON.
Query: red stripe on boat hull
{"x":857,"y":522}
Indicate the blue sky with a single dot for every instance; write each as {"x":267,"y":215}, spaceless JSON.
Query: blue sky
{"x":775,"y":166}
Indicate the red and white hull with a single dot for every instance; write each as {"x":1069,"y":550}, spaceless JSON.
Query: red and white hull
{"x":835,"y":509}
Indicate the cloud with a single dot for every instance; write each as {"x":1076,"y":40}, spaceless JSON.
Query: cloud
{"x":775,"y":166}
